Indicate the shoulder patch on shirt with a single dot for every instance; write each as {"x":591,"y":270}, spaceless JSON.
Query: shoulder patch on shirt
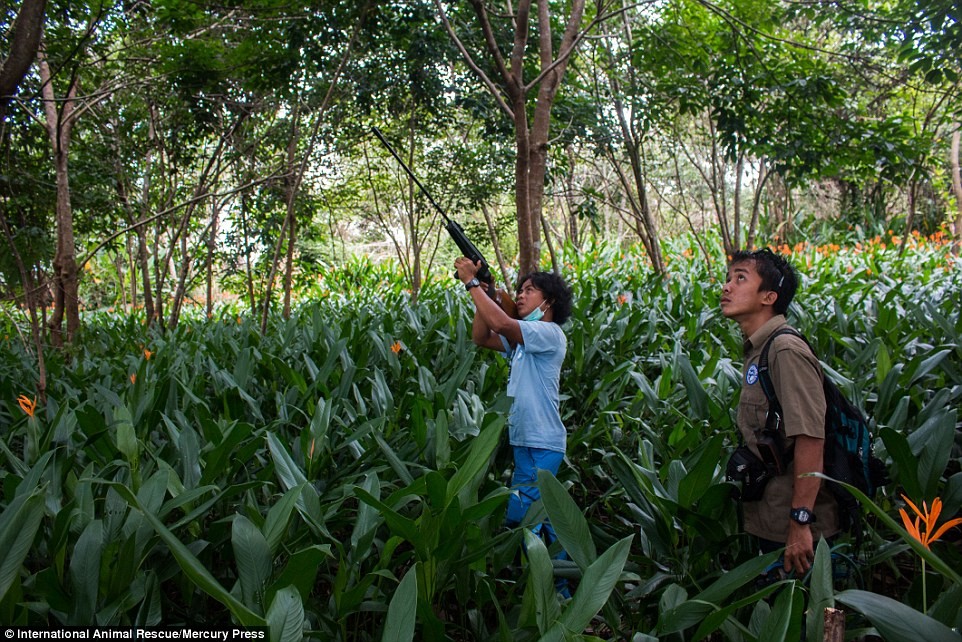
{"x":751,"y":377}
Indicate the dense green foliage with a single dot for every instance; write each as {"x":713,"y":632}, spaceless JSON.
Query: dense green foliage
{"x":347,"y":469}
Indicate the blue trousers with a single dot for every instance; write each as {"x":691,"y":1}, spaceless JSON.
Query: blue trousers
{"x":524,"y":481}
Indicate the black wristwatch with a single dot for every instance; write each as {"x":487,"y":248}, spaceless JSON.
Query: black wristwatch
{"x":473,"y":283}
{"x":803,"y":516}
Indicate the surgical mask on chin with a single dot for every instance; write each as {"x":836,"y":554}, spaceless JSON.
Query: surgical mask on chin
{"x":535,"y":315}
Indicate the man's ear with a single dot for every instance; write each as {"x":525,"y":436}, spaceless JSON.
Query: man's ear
{"x":769,"y":297}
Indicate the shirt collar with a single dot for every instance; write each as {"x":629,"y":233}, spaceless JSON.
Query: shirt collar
{"x":761,"y":335}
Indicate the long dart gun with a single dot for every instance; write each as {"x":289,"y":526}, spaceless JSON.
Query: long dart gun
{"x":468,"y":249}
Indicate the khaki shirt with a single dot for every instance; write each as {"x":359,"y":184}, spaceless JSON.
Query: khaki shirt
{"x":797,"y":377}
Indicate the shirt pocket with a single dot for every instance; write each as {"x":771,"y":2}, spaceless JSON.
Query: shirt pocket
{"x":752,"y":409}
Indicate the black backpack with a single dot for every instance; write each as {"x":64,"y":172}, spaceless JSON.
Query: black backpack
{"x":848,"y":442}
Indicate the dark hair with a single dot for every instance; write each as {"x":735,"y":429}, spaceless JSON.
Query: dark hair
{"x":556,"y":292}
{"x":777,"y":274}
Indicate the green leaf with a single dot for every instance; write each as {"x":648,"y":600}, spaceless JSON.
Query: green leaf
{"x":932,"y":443}
{"x":540,"y":589}
{"x":253,"y":556}
{"x":279,"y":517}
{"x":127,"y":442}
{"x":85,"y":572}
{"x":18,"y":528}
{"x":478,"y":459}
{"x":883,"y":364}
{"x":906,"y":465}
{"x":699,"y":478}
{"x":596,"y":585}
{"x":567,"y":519}
{"x":291,"y":476}
{"x":191,"y":566}
{"x":897,"y":622}
{"x":934,"y":561}
{"x":285,"y":617}
{"x":784,"y":622}
{"x":697,"y":397}
{"x":301,"y":570}
{"x":821,"y":591}
{"x":401,"y":613}
{"x":368,"y":518}
{"x":402,"y":526}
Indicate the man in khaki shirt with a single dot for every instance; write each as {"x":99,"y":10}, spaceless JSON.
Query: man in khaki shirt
{"x":794,"y":510}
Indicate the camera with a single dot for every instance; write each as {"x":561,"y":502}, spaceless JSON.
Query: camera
{"x":745,"y":468}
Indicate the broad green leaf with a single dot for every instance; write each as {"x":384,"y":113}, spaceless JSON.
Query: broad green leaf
{"x":401,"y":613}
{"x":883,"y":364}
{"x":191,"y":566}
{"x":301,"y":570}
{"x":784,"y":622}
{"x":285,"y":617}
{"x":699,"y":478}
{"x":904,"y":459}
{"x":19,"y":523}
{"x":593,"y":591}
{"x":697,"y":397}
{"x":85,"y":572}
{"x":821,"y":591}
{"x":540,"y":589}
{"x":933,"y":443}
{"x":897,"y":622}
{"x":718,"y":618}
{"x":126,"y":437}
{"x":568,"y":520}
{"x":279,"y":517}
{"x":253,"y":556}
{"x":478,"y":459}
{"x":368,"y":518}
{"x":397,"y":465}
{"x":931,"y":558}
{"x":402,"y":526}
{"x":291,"y":476}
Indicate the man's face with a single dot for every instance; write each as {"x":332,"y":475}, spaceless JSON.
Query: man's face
{"x":529,"y":297}
{"x":742,"y":295}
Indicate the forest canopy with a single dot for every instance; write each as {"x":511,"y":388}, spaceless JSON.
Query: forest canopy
{"x":166,"y":153}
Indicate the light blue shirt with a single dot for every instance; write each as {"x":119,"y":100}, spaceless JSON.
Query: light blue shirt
{"x":535,"y":421}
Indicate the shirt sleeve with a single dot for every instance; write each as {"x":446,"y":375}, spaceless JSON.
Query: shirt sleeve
{"x":797,"y":377}
{"x":541,"y":337}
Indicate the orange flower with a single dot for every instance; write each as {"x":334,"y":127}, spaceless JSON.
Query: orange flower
{"x":927,"y":536}
{"x":28,"y":405}
{"x":133,"y":377}
{"x":148,"y":354}
{"x":396,"y":348}
{"x":622,"y":299}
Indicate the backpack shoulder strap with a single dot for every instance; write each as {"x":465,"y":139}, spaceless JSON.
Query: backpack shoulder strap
{"x":764,"y":375}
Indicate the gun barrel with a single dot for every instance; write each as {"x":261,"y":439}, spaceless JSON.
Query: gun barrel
{"x":377,"y":132}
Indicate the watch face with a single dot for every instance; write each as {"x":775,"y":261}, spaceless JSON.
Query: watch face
{"x":801,"y":515}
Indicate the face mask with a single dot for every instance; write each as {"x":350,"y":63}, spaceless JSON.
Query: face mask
{"x":535,"y":315}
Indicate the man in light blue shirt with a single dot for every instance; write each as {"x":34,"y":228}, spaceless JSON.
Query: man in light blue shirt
{"x":536,"y":346}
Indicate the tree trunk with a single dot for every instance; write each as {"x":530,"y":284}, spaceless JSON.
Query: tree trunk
{"x":59,"y":125}
{"x":737,"y":201}
{"x":531,"y":140}
{"x":211,"y":248}
{"x":24,"y":42}
{"x":763,"y":175}
{"x":957,"y":187}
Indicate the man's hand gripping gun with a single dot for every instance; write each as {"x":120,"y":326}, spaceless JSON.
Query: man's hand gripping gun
{"x":468,"y":249}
